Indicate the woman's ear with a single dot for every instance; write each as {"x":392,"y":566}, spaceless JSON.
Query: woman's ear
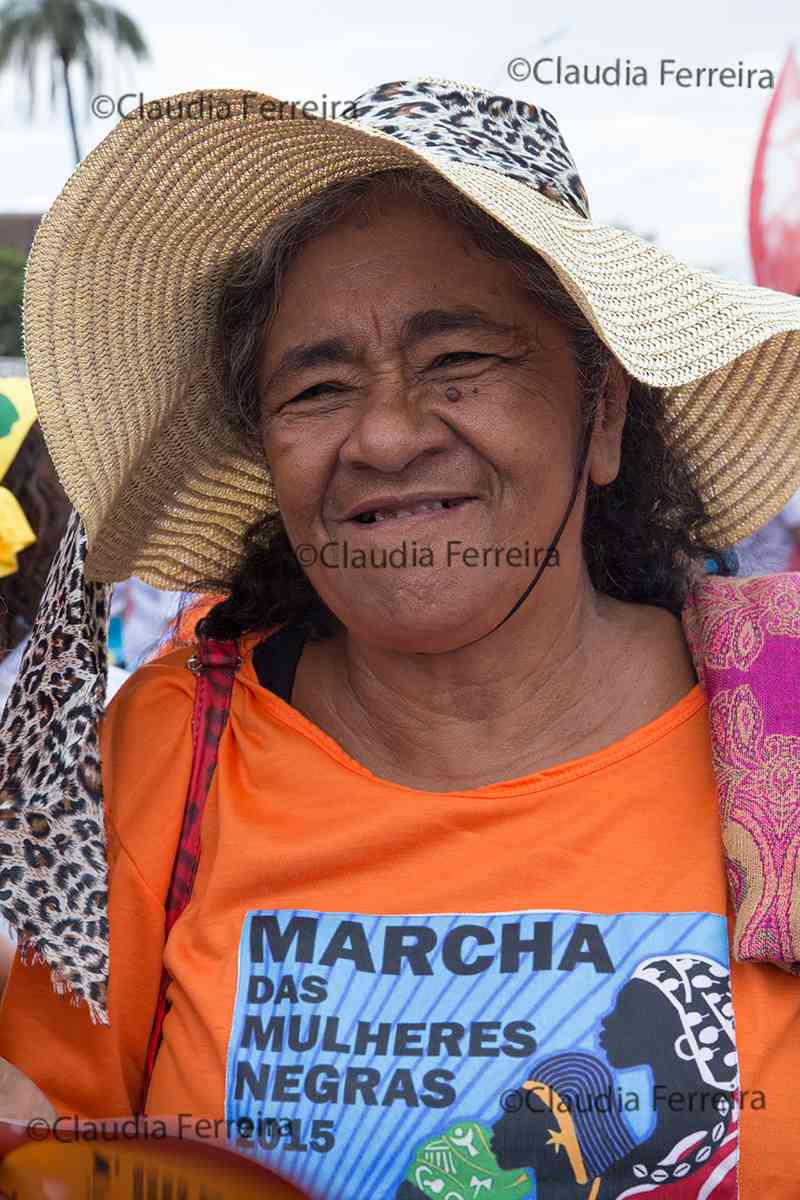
{"x":612,"y":408}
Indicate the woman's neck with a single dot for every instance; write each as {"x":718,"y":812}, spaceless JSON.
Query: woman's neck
{"x":532,"y":695}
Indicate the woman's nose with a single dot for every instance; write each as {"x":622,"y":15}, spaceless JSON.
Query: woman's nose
{"x":395,"y":424}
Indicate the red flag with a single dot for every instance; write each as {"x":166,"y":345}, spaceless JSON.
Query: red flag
{"x":775,"y":190}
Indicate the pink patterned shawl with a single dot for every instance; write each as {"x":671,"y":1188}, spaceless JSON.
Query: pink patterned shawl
{"x":744,"y":636}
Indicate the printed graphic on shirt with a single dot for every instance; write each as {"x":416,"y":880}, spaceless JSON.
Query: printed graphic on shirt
{"x":522,"y":1056}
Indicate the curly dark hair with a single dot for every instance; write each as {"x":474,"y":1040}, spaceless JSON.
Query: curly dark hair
{"x":32,"y":479}
{"x":642,"y":534}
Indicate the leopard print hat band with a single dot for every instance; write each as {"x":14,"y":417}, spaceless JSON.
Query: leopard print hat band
{"x":53,"y":868}
{"x":470,"y":126}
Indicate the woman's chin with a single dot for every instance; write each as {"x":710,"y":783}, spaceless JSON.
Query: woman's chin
{"x":402,"y":620}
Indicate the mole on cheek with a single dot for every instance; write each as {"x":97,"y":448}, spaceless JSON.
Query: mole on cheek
{"x":453,"y":393}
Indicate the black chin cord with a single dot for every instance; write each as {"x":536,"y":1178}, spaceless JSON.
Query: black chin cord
{"x":587,"y":438}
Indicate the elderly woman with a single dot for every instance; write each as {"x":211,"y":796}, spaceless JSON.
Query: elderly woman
{"x":454,"y":456}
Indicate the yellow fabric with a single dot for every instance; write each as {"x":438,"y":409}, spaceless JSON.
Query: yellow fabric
{"x":15,"y":532}
{"x":17,"y":415}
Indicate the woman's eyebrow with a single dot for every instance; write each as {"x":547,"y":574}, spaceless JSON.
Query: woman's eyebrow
{"x":420,"y":325}
{"x":433,"y":321}
{"x":307,"y":355}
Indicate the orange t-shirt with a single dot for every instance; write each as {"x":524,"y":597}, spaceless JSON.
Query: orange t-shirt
{"x":376,"y":972}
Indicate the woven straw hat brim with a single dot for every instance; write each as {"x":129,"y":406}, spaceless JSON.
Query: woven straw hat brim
{"x":121,"y":289}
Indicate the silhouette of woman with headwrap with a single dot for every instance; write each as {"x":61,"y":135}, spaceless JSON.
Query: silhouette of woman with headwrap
{"x":675,"y":1016}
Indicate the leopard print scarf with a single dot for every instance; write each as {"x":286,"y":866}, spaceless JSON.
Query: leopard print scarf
{"x":53,"y":876}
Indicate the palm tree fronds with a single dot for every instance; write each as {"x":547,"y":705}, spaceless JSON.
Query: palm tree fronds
{"x":118,"y":26}
{"x":64,"y":31}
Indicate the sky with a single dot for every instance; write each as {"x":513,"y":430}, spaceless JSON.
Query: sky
{"x":668,"y":161}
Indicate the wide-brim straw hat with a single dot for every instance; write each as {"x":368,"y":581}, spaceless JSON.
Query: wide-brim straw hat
{"x":126,"y":268}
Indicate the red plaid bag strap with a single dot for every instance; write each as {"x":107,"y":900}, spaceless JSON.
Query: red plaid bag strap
{"x":215,"y":666}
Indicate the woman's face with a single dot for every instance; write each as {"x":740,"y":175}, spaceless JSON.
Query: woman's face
{"x":638,"y":1025}
{"x":405,"y":369}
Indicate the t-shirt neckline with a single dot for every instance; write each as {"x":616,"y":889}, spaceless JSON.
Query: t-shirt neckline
{"x":549,"y":777}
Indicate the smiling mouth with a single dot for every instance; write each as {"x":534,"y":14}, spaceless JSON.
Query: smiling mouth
{"x":375,"y":516}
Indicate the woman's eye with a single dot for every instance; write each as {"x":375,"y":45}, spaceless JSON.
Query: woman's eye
{"x":317,"y":389}
{"x":457,"y":357}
